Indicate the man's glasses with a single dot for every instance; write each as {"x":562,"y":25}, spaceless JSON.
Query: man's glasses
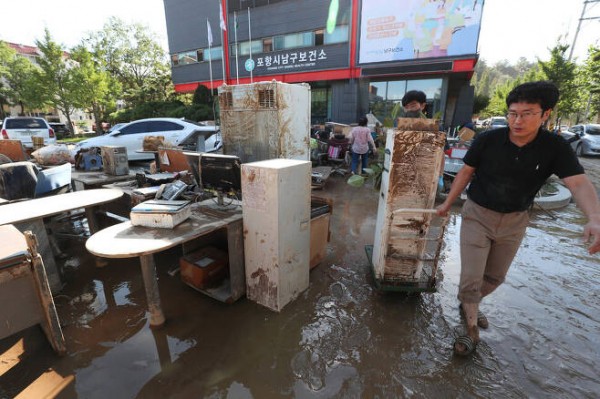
{"x":525,"y":116}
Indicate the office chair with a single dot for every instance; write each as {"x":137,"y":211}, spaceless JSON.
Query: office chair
{"x":337,"y":154}
{"x":56,"y":180}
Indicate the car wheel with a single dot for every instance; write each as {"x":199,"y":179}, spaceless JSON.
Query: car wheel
{"x":579,"y":150}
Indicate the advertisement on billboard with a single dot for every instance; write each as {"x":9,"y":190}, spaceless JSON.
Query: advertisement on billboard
{"x":418,"y":29}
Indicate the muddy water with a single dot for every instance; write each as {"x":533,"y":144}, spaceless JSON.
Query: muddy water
{"x":341,"y":338}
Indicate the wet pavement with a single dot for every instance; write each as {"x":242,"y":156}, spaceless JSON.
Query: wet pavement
{"x":341,"y":338}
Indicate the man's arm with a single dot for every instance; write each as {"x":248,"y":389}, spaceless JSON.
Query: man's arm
{"x":463,"y":177}
{"x":586,"y":198}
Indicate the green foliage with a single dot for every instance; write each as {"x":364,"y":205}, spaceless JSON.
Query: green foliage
{"x":132,"y":56}
{"x":202,"y":95}
{"x":56,"y":82}
{"x":97,"y":89}
{"x":561,"y":72}
{"x":173,"y":109}
{"x":18,"y":86}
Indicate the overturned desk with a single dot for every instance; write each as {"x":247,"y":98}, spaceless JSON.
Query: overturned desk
{"x":126,"y":241}
{"x":24,"y":289}
{"x":29,"y":215}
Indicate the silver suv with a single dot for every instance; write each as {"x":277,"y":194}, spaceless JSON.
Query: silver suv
{"x":25,"y":127}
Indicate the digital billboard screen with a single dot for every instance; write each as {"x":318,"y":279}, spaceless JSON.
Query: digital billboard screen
{"x":418,"y":29}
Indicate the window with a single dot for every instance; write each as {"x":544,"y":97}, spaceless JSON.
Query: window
{"x":293,"y":40}
{"x":163,"y":126}
{"x":319,"y":37}
{"x":200,"y":55}
{"x":174,"y":59}
{"x":188,"y":57}
{"x":213,"y":54}
{"x":140,"y":127}
{"x":385,"y":97}
{"x":257,"y":47}
{"x":267,"y":45}
{"x":339,"y":35}
{"x":25,"y":123}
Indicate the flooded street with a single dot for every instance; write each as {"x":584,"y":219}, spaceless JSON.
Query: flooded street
{"x":341,"y":338}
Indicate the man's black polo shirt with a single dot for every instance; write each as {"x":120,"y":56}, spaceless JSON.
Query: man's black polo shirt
{"x":507,"y":177}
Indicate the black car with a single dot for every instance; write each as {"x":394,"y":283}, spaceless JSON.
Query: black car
{"x":60,"y":129}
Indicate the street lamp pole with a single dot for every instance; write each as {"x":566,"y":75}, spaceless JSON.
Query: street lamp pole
{"x":585,"y":3}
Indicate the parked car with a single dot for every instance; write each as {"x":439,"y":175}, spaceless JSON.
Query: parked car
{"x":60,"y":129}
{"x":178,"y":132}
{"x":585,"y":139}
{"x":25,"y":127}
{"x":116,"y":126}
{"x":497,"y":121}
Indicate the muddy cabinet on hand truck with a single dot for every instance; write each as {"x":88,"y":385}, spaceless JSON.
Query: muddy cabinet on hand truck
{"x":408,"y":233}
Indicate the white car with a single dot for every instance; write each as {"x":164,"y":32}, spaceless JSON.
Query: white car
{"x":177,"y":132}
{"x":584,"y":139}
{"x":25,"y":127}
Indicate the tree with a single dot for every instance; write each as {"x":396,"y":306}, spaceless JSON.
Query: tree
{"x":97,"y":89}
{"x":588,"y":85}
{"x":561,"y":72}
{"x":57,"y":85}
{"x":6,"y":55}
{"x":18,"y":84}
{"x":130,"y":54}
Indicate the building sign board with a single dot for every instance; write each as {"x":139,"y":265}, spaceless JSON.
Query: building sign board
{"x":418,"y":29}
{"x":296,"y":60}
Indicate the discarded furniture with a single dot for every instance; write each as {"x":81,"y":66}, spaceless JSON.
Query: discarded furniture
{"x":18,"y":180}
{"x":320,"y":219}
{"x":407,"y":232}
{"x":276,"y":209}
{"x":319,"y":176}
{"x":24,"y":289}
{"x":91,"y":180}
{"x":29,"y":215}
{"x":14,"y":150}
{"x":265,"y":120}
{"x":209,"y":225}
{"x":53,"y":181}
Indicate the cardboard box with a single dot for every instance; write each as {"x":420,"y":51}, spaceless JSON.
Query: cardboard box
{"x":204,"y":268}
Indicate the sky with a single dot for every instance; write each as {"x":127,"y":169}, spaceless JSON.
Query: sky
{"x":510,"y":29}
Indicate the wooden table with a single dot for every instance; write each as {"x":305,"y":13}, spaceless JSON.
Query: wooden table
{"x":90,"y":180}
{"x":126,"y":241}
{"x":29,"y":215}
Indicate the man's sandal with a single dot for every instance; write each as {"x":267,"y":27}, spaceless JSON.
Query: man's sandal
{"x":482,"y":321}
{"x":468,"y":344}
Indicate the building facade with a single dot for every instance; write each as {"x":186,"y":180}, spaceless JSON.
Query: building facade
{"x":357,"y":56}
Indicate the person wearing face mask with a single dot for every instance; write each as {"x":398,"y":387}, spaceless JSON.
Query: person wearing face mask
{"x":413,"y":104}
{"x":505,"y":168}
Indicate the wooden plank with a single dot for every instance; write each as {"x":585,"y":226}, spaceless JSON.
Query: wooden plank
{"x":43,"y":207}
{"x":50,"y":322}
{"x":48,"y":385}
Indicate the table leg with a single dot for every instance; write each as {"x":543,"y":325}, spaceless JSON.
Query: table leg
{"x":157,"y":318}
{"x":90,"y":213}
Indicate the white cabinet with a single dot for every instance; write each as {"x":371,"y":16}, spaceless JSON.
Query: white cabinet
{"x":265,"y":120}
{"x":412,"y":166}
{"x":276,"y":214}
